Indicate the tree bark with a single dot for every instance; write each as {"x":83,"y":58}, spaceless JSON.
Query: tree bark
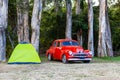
{"x":79,"y":37}
{"x":56,"y":4}
{"x":108,"y":36}
{"x":22,"y":20}
{"x":78,"y":9}
{"x":26,"y":20}
{"x":104,"y":43}
{"x":68,"y":33}
{"x":35,"y":23}
{"x":79,"y":32}
{"x":90,"y":27}
{"x":3,"y":26}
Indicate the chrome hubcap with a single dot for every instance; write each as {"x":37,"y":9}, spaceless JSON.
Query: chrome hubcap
{"x":49,"y":57}
{"x":64,"y":59}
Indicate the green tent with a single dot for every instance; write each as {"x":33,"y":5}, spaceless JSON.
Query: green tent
{"x":24,"y":53}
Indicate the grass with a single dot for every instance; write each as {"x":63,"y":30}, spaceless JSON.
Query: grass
{"x":43,"y":58}
{"x":95,"y":59}
{"x":107,"y":59}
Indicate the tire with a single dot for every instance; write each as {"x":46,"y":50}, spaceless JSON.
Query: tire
{"x":86,"y":61}
{"x":50,"y":57}
{"x":64,"y":59}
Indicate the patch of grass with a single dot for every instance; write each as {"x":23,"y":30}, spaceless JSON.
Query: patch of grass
{"x":43,"y":58}
{"x":95,"y":59}
{"x":106,"y":59}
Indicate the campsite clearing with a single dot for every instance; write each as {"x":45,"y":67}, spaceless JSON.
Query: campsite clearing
{"x":56,"y":70}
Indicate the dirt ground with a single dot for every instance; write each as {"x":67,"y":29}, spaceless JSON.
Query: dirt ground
{"x":56,"y":70}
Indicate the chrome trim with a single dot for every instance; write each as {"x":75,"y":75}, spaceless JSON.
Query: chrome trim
{"x":76,"y":59}
{"x":77,"y":56}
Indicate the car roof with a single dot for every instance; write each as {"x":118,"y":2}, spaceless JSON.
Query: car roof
{"x":64,"y":40}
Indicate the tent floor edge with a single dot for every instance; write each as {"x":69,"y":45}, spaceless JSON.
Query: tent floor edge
{"x":24,"y":63}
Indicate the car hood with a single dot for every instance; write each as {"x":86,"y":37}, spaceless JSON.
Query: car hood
{"x":73,"y":48}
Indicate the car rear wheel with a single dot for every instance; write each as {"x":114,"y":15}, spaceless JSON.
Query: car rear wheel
{"x":49,"y":57}
{"x":64,"y":59}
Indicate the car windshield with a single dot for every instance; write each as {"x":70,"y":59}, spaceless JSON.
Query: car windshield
{"x":70,"y":43}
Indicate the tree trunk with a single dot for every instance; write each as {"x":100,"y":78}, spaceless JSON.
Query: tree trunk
{"x":78,"y":9}
{"x":79,"y":37}
{"x":35,"y":24}
{"x":90,"y":25}
{"x":104,"y":44}
{"x":79,"y":32}
{"x":108,"y":36}
{"x":68,"y":33}
{"x":56,"y":6}
{"x":26,"y":20}
{"x":3,"y":26}
{"x":22,"y":20}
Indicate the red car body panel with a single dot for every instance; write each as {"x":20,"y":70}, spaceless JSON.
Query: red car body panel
{"x":60,"y":47}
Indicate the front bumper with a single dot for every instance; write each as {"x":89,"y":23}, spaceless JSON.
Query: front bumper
{"x":79,"y":59}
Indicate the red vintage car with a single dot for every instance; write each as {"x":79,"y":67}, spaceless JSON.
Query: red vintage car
{"x":68,"y":50}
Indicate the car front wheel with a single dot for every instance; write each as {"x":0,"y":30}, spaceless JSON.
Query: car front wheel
{"x":49,"y":57}
{"x":64,"y":59}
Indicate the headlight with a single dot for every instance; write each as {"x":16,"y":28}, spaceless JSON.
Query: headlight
{"x":90,"y":52}
{"x":70,"y":52}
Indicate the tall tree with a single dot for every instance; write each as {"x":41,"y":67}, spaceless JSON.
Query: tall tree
{"x":68,"y":33}
{"x":79,"y":32}
{"x":78,"y":9}
{"x":104,"y":44}
{"x":35,"y":23}
{"x":22,"y":20}
{"x":3,"y":26}
{"x":90,"y":25}
{"x":56,"y":4}
{"x":79,"y":36}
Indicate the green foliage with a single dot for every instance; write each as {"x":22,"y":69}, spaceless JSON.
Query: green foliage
{"x":96,"y":27}
{"x":116,"y":38}
{"x":52,"y":27}
{"x":53,"y":24}
{"x":11,"y":37}
{"x":83,"y":4}
{"x":80,"y":22}
{"x":12,"y":13}
{"x":114,"y":16}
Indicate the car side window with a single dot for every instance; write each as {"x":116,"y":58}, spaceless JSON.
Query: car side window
{"x":58,"y":45}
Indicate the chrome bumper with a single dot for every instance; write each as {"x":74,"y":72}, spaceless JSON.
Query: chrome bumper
{"x":78,"y":59}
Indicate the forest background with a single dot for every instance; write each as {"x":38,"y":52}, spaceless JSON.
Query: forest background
{"x":53,"y":24}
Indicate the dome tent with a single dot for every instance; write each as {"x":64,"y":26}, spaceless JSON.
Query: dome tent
{"x":24,"y":53}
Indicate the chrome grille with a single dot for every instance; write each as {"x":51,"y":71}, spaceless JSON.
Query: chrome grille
{"x":79,"y":54}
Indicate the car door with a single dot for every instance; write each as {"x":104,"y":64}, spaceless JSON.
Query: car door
{"x":53,"y":49}
{"x":58,"y":51}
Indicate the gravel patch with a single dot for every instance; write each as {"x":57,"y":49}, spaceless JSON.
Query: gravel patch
{"x":59,"y":71}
